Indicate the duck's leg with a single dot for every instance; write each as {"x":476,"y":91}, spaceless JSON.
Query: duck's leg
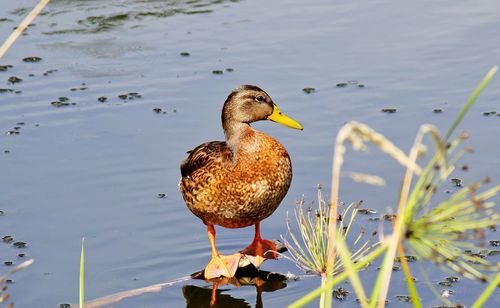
{"x":260,"y":250}
{"x":220,"y":265}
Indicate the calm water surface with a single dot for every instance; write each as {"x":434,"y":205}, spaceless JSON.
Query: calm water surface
{"x":95,"y":169}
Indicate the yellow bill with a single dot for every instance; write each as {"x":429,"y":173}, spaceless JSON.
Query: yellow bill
{"x":279,"y":117}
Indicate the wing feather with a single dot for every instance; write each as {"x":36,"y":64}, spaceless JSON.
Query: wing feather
{"x":205,"y":155}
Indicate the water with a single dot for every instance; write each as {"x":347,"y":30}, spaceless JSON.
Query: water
{"x":95,"y":169}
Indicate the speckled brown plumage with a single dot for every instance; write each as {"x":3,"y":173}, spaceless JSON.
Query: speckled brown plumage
{"x":241,"y":181}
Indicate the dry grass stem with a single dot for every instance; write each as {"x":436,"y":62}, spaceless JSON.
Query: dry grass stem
{"x":22,"y":26}
{"x":367,"y":178}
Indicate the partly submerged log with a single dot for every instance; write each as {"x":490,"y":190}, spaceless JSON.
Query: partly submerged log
{"x":247,"y":274}
{"x":263,"y":281}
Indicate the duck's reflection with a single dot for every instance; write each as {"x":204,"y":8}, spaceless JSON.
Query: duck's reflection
{"x":213,"y":297}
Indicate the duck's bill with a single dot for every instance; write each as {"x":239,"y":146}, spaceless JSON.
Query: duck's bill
{"x":279,"y":117}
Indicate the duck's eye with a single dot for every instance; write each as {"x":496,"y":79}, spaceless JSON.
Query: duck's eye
{"x":260,"y":98}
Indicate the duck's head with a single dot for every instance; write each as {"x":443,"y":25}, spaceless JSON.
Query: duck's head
{"x":247,"y":104}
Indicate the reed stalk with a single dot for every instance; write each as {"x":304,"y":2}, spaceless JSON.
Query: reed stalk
{"x":22,"y":26}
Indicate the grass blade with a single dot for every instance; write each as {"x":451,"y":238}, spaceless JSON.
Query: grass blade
{"x":82,"y":275}
{"x":487,"y":292}
{"x":471,"y":101}
{"x":415,"y":297}
{"x":306,"y":299}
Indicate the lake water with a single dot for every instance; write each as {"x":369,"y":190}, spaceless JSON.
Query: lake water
{"x":95,"y":169}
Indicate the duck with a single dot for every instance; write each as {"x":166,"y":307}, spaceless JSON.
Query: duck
{"x":240,"y":181}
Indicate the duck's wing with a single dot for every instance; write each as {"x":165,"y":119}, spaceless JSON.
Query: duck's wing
{"x":206,"y":156}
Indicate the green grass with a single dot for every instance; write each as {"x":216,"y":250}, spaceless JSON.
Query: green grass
{"x":438,"y":233}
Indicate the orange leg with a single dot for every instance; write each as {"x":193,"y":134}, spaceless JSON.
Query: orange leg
{"x":213,"y":298}
{"x":260,"y":249}
{"x":220,"y":265}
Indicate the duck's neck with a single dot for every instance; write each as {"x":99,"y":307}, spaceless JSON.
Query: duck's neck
{"x":237,"y":135}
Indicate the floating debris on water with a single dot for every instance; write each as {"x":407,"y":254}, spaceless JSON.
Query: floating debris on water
{"x":162,"y":195}
{"x":448,"y":281}
{"x":350,"y":83}
{"x":389,"y":217}
{"x":217,"y":72}
{"x":4,"y":68}
{"x":229,"y":69}
{"x":158,"y":110}
{"x":21,"y":255}
{"x":447,"y":293}
{"x":185,"y":54}
{"x":47,"y":73}
{"x":403,"y":298}
{"x":19,"y":244}
{"x":407,"y":258}
{"x":389,"y":110}
{"x":12,"y":132}
{"x":61,"y":104}
{"x":6,"y":152}
{"x":64,"y":306}
{"x":129,"y":96}
{"x":308,"y":90}
{"x":493,"y":253}
{"x":457,"y":182}
{"x":340,"y":293}
{"x":489,"y":113}
{"x":32,"y":59}
{"x":438,"y":110}
{"x":367,"y":211}
{"x":6,"y":90}
{"x":8,"y":263}
{"x":14,"y":79}
{"x":7,"y":238}
{"x":102,"y":99}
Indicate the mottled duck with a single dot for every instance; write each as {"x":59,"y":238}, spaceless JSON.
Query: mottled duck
{"x":240,"y":181}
